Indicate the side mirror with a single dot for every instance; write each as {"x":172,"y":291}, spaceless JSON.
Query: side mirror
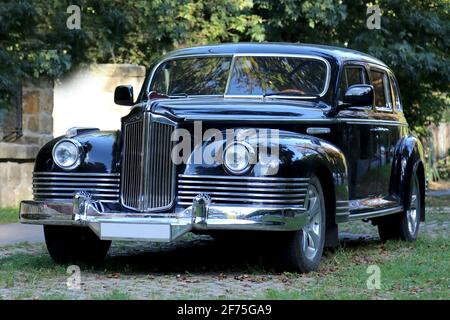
{"x":123,"y":95}
{"x":360,"y":95}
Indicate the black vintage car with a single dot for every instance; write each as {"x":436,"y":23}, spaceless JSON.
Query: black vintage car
{"x":298,"y":139}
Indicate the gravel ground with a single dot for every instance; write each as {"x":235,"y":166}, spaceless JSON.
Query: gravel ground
{"x":194,"y":267}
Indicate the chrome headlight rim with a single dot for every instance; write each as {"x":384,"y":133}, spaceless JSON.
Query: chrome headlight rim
{"x":251,"y":158}
{"x":79,"y":149}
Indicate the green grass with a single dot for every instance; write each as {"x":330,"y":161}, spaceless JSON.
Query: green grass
{"x":115,"y":294}
{"x":419,"y":270}
{"x":438,"y":201}
{"x":27,"y":268}
{"x":9,"y":215}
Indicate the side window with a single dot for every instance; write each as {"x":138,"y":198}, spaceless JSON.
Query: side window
{"x":395,"y":94}
{"x":351,"y":75}
{"x":382,"y":90}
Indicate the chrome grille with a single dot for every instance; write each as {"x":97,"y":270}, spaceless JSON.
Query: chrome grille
{"x":62,"y":186}
{"x":270,"y":191}
{"x":132,"y":163}
{"x":148,"y":173}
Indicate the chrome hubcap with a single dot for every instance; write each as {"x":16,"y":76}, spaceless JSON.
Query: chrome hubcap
{"x":411,"y":214}
{"x":312,"y":230}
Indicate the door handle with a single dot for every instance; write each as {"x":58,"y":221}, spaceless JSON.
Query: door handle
{"x":379,"y":129}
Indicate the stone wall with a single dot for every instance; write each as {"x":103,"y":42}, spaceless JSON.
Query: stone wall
{"x":83,"y":98}
{"x":17,"y":158}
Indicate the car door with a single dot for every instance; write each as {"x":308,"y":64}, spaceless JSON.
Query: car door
{"x":358,"y":141}
{"x":387,"y":130}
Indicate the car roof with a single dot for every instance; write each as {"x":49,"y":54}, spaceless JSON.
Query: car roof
{"x":337,"y":53}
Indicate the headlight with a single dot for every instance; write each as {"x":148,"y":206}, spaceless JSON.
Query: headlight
{"x":66,"y":154}
{"x":238,"y":157}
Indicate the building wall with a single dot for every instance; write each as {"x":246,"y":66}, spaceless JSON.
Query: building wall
{"x":84,"y":98}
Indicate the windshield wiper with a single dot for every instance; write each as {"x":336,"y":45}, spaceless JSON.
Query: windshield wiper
{"x":293,"y":95}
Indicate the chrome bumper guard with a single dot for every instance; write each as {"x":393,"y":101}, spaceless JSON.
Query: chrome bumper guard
{"x":162,"y":227}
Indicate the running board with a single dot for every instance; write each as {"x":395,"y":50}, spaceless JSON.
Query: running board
{"x":373,"y":214}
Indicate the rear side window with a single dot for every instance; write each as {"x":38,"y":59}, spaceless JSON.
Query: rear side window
{"x":382,"y":90}
{"x":395,"y":94}
{"x":352,"y":75}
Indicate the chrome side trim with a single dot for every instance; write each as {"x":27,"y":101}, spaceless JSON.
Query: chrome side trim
{"x":318,"y":130}
{"x":253,"y":118}
{"x":377,"y":213}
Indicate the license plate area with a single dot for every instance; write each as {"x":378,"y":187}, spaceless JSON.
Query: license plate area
{"x":135,"y":231}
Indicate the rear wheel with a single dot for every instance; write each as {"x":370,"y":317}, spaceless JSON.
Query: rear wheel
{"x":67,"y":244}
{"x":405,"y":225}
{"x":302,"y":250}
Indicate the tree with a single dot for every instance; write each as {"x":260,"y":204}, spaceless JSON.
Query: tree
{"x":413,"y":41}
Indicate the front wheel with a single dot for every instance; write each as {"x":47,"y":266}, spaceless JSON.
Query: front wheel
{"x":67,"y":244}
{"x":405,"y":225}
{"x":301,"y":251}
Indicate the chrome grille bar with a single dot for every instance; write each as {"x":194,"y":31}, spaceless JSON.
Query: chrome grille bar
{"x":62,"y":186}
{"x":270,"y":191}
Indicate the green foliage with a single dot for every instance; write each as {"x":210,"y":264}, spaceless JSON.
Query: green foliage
{"x":413,"y":41}
{"x":9,"y":215}
{"x":413,"y":38}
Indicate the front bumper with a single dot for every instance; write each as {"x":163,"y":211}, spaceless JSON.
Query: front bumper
{"x":162,"y":227}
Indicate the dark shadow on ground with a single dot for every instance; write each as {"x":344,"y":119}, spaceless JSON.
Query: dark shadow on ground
{"x":204,"y":254}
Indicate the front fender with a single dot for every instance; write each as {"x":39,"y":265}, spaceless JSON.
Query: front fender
{"x":101,"y":148}
{"x":300,"y":156}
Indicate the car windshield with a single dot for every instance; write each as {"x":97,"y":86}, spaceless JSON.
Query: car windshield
{"x":250,"y":76}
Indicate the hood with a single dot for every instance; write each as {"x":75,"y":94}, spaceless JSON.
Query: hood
{"x":230,"y":109}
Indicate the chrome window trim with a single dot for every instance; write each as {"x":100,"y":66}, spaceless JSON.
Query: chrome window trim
{"x":233,"y":58}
